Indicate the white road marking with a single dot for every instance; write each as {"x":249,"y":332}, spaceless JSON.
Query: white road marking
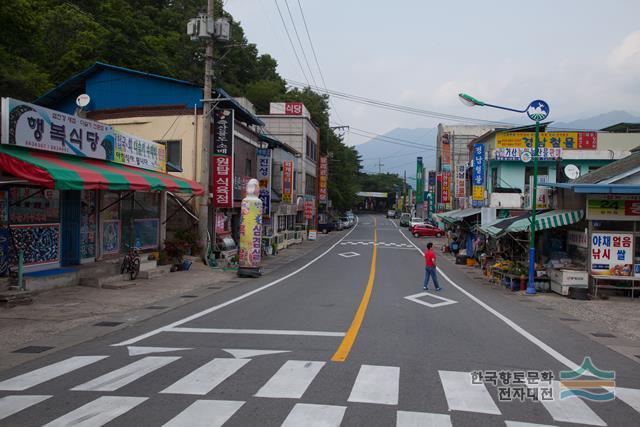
{"x":10,"y":405}
{"x":571,"y":410}
{"x":521,"y":424}
{"x":422,"y":419}
{"x":292,"y":379}
{"x":376,"y":384}
{"x":39,"y":376}
{"x":231,"y":301}
{"x":205,"y":413}
{"x":540,"y":344}
{"x":629,"y":396}
{"x":97,"y":412}
{"x":246,"y":353}
{"x":462,"y":395}
{"x":127,"y":374}
{"x":307,"y":415}
{"x":444,"y":301}
{"x":349,"y":254}
{"x":257,"y":332}
{"x":207,"y":377}
{"x":137,"y":351}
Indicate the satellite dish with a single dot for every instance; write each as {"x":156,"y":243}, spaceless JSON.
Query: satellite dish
{"x":572,"y":171}
{"x":83,"y":100}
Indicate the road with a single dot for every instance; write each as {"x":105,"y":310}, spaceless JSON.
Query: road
{"x":329,"y":340}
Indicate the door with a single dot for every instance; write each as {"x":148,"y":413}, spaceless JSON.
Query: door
{"x":70,"y":218}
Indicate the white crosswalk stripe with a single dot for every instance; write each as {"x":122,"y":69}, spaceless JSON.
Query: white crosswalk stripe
{"x":39,"y":376}
{"x":307,"y":415}
{"x":422,"y":419}
{"x":10,"y":405}
{"x":206,"y":413}
{"x":127,"y":374}
{"x":291,"y":380}
{"x":571,"y":410}
{"x":462,"y":395}
{"x":521,"y":424}
{"x":629,"y":396}
{"x":97,"y":412}
{"x":376,"y":384}
{"x":207,"y":377}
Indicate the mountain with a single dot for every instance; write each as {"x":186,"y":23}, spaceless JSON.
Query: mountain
{"x":598,"y":122}
{"x":396,"y":151}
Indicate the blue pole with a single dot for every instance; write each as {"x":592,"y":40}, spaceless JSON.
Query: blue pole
{"x":531,"y":288}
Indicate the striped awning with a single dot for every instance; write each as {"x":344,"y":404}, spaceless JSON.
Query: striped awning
{"x":63,"y":172}
{"x":459,"y":215}
{"x":546,"y":220}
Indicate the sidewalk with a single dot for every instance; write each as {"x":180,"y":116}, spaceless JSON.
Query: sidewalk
{"x":63,"y":317}
{"x":616,"y":321}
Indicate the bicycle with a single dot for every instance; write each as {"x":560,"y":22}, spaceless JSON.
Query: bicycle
{"x":131,"y":263}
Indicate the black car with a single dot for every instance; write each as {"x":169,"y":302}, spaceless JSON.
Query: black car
{"x":326,"y":227}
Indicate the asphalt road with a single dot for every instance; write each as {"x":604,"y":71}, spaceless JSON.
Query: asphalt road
{"x":330,"y":339}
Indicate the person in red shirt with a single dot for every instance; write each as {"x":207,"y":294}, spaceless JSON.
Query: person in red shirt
{"x":430,"y":268}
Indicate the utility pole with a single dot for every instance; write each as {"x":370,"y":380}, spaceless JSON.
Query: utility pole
{"x":380,"y":165}
{"x":404,"y":192}
{"x":203,"y":223}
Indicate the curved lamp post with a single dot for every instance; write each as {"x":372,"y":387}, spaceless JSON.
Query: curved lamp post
{"x":537,"y":110}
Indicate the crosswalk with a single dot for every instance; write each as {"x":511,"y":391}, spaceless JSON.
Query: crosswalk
{"x":372,"y":384}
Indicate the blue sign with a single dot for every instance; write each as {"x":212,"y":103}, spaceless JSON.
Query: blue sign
{"x":478,"y":176}
{"x":538,"y":110}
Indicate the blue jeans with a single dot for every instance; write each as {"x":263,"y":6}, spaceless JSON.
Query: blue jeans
{"x":430,"y":272}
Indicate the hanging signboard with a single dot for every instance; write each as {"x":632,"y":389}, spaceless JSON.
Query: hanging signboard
{"x":460,"y":182}
{"x":577,"y":238}
{"x":516,"y":153}
{"x":614,"y":207}
{"x":324,"y":174}
{"x":264,"y":178}
{"x":446,"y":152}
{"x":222,"y":159}
{"x":287,"y":181}
{"x":140,"y":153}
{"x":432,"y":178}
{"x":478,"y":176}
{"x":446,"y":187}
{"x":309,"y":203}
{"x":419,"y":180}
{"x":563,"y":140}
{"x":612,"y":254}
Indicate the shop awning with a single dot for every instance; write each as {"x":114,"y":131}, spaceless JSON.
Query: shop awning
{"x":63,"y":172}
{"x":546,"y":220}
{"x":459,"y":215}
{"x":441,"y":215}
{"x":497,"y":227}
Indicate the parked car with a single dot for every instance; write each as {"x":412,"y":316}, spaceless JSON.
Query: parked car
{"x":391,"y":213}
{"x":426,"y":230}
{"x":326,"y":227}
{"x":405,"y":220}
{"x":346,"y":223}
{"x":415,"y":221}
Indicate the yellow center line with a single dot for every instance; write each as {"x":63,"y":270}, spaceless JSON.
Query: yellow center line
{"x":342,"y":352}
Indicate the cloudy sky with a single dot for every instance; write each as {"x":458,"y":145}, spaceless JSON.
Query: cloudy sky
{"x":582,"y":56}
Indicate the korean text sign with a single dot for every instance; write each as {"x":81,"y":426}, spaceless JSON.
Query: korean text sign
{"x":478,"y":175}
{"x":133,"y":151}
{"x":612,"y":254}
{"x":563,"y":140}
{"x":287,"y":181}
{"x":324,"y":173}
{"x":446,"y":151}
{"x":446,"y":187}
{"x":264,"y":178}
{"x":222,"y":159}
{"x":613,"y":207}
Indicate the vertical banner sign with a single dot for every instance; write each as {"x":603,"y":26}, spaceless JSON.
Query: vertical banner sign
{"x":287,"y":181}
{"x":612,"y":254}
{"x":309,"y":203}
{"x":222,"y":159}
{"x":324,"y":174}
{"x":446,"y":187}
{"x":264,"y":179}
{"x":439,"y":187}
{"x":432,"y":178}
{"x":249,"y":255}
{"x":446,"y":152}
{"x":478,"y":175}
{"x":419,"y":181}
{"x":460,"y":191}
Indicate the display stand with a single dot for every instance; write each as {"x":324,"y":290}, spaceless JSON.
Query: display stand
{"x":632,"y":288}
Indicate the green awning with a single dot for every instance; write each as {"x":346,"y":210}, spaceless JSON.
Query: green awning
{"x":546,"y":220}
{"x":458,"y":215}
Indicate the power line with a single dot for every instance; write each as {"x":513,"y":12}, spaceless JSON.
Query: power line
{"x":291,"y":42}
{"x":315,"y":56}
{"x":304,"y":54}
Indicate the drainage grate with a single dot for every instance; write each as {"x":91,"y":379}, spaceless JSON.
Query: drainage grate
{"x":157,"y":307}
{"x":568,"y":319}
{"x":602,"y":335}
{"x":189,"y":296}
{"x":33,"y":349}
{"x":108,"y":324}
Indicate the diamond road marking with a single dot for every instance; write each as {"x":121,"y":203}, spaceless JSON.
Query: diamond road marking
{"x":349,"y":254}
{"x":445,"y":301}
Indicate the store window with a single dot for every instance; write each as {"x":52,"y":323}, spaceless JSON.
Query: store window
{"x":140,"y":213}
{"x":247,"y":168}
{"x":311,"y":149}
{"x":88,"y":224}
{"x":32,"y":205}
{"x":110,"y":230}
{"x":174,"y":152}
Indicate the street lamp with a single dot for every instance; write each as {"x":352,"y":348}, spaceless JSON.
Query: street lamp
{"x":537,"y":110}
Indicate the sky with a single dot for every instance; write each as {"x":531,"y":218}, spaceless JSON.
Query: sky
{"x":581,"y":56}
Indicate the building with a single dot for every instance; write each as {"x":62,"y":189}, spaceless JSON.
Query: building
{"x":290,"y":122}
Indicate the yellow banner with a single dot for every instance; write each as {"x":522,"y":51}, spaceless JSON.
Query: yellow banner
{"x":478,"y":192}
{"x":564,"y":140}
